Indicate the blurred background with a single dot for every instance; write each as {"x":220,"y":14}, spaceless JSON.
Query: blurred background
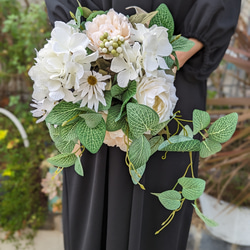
{"x":30,"y":199}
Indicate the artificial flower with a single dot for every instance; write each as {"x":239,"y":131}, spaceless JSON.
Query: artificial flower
{"x":158,"y":93}
{"x":127,"y":66}
{"x":42,"y":108}
{"x":90,"y":92}
{"x":66,"y":39}
{"x":114,"y":24}
{"x":153,"y":56}
{"x":117,"y":138}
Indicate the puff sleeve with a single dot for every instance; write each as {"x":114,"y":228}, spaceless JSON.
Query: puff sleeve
{"x":212,"y":22}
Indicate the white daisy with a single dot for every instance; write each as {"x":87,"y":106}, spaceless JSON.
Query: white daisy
{"x":91,"y":88}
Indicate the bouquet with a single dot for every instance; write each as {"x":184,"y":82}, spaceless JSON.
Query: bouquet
{"x":109,"y":79}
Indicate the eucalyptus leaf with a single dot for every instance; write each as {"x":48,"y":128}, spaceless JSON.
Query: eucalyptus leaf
{"x":164,"y":18}
{"x":63,"y":160}
{"x":208,"y":222}
{"x":170,"y":199}
{"x":223,"y":128}
{"x":139,"y":151}
{"x":62,"y":112}
{"x":192,"y":188}
{"x":137,"y":175}
{"x":141,"y":118}
{"x":91,"y":138}
{"x":78,"y":166}
{"x":209,"y":147}
{"x":155,"y":142}
{"x":201,"y":120}
{"x":92,"y":119}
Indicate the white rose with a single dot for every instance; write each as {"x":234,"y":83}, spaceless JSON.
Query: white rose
{"x":158,"y":93}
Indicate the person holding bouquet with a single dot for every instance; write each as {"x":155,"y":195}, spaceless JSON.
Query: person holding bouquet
{"x":104,"y":210}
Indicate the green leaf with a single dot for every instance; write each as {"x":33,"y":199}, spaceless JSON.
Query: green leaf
{"x":78,"y":166}
{"x":111,"y":124}
{"x":180,"y":143}
{"x":91,"y":138}
{"x":182,"y":44}
{"x":62,"y":112}
{"x":155,"y":142}
{"x":55,"y":132}
{"x":92,"y":119}
{"x":139,"y":151}
{"x":176,"y":61}
{"x":78,"y":15}
{"x":137,"y":175}
{"x":116,"y":90}
{"x":159,"y":127}
{"x":192,"y":188}
{"x":65,"y":146}
{"x":201,"y":120}
{"x":164,"y":18}
{"x":223,"y":129}
{"x":187,"y":131}
{"x":141,"y":118}
{"x":169,"y":61}
{"x":94,"y":14}
{"x":209,"y":147}
{"x":170,"y":199}
{"x":108,"y":98}
{"x":63,"y":160}
{"x":208,"y":222}
{"x":126,"y":96}
{"x":86,"y":12}
{"x":142,"y":17}
{"x":68,"y":132}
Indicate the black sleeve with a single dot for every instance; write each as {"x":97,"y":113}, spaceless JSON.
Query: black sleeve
{"x":58,"y":10}
{"x":213,"y":23}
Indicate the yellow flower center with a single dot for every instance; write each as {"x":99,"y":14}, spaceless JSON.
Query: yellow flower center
{"x":92,"y":80}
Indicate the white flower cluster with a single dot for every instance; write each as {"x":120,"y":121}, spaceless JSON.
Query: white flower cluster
{"x":60,"y":71}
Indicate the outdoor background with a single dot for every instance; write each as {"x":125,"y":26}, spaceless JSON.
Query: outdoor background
{"x":30,"y":200}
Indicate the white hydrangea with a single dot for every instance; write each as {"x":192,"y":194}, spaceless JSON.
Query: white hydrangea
{"x":128,"y":67}
{"x":155,"y":46}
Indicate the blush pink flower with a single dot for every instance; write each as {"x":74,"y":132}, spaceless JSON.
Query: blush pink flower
{"x":115,"y":24}
{"x":116,"y":138}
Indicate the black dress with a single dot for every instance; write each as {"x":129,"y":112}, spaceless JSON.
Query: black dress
{"x":103,"y":210}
